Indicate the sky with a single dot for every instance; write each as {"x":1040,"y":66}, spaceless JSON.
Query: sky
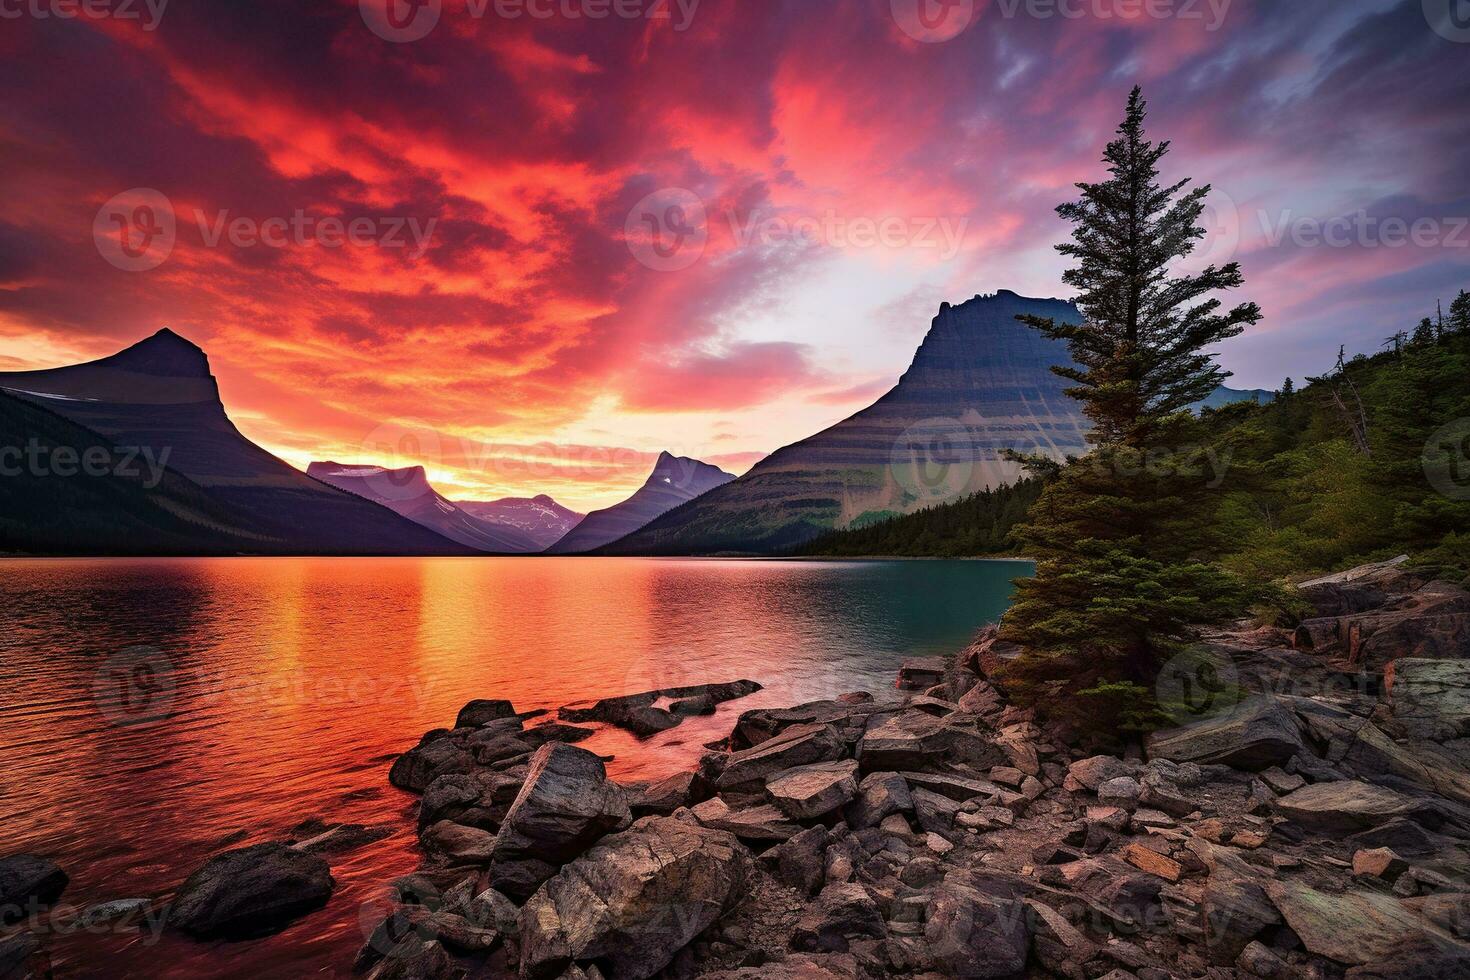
{"x":532,"y":243}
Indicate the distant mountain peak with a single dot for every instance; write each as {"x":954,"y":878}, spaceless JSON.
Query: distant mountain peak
{"x":164,"y":354}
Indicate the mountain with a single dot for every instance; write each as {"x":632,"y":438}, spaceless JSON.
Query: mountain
{"x":675,"y":480}
{"x":980,"y":384}
{"x":407,"y":492}
{"x":542,"y":519}
{"x":127,"y":505}
{"x":159,"y":395}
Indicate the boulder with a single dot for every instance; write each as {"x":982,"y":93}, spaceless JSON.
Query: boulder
{"x":802,"y":966}
{"x":1379,"y":862}
{"x":22,"y":958}
{"x":643,"y":716}
{"x":798,"y":745}
{"x":909,"y":740}
{"x":1092,"y":772}
{"x":634,"y":900}
{"x":417,"y":958}
{"x":28,"y":884}
{"x":756,"y":823}
{"x":1354,"y":927}
{"x":972,"y":934}
{"x":459,"y":844}
{"x":879,"y":795}
{"x":437,"y":754}
{"x":667,"y":795}
{"x":801,"y":861}
{"x":1413,"y":960}
{"x":1429,"y":698}
{"x":921,"y":673}
{"x":253,"y":891}
{"x":478,"y":713}
{"x":1346,"y":806}
{"x":759,"y":724}
{"x":808,"y":792}
{"x":1259,"y":733}
{"x":566,"y":804}
{"x":343,"y":838}
{"x":844,"y":910}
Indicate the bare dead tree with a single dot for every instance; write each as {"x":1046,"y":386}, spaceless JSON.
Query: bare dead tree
{"x":1354,"y":415}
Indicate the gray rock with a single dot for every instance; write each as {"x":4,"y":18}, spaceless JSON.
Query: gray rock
{"x":458,"y":843}
{"x":634,"y":900}
{"x":415,"y":958}
{"x":1429,"y":698}
{"x":972,"y":934}
{"x":808,"y":792}
{"x":478,"y":713}
{"x":639,"y":713}
{"x":1355,"y":927}
{"x":28,"y":883}
{"x":1259,"y":733}
{"x":843,"y":911}
{"x":1417,"y":961}
{"x":437,"y":754}
{"x":1120,"y":791}
{"x":252,"y":891}
{"x":756,"y":823}
{"x":566,"y":805}
{"x":880,"y":794}
{"x":798,"y":745}
{"x":1092,"y":772}
{"x":801,"y":861}
{"x":667,"y":795}
{"x":1346,"y":806}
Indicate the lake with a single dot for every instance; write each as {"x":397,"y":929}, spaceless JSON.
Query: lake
{"x":157,"y":712}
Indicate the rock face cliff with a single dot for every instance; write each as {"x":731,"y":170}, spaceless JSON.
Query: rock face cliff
{"x":160,"y":394}
{"x":675,"y":480}
{"x":408,"y":493}
{"x":980,"y":384}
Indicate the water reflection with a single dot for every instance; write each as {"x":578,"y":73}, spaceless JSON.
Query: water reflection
{"x":280,"y":688}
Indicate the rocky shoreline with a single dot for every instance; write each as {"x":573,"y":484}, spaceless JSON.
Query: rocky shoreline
{"x":1311,"y":820}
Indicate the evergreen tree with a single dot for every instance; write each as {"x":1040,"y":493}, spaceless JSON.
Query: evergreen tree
{"x":1423,"y":333}
{"x":1117,"y":535}
{"x":1288,"y":388}
{"x":1460,"y":313}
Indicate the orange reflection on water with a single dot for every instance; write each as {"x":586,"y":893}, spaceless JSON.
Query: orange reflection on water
{"x":288,"y":685}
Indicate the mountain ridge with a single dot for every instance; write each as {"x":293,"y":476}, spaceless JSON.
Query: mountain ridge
{"x":675,"y":480}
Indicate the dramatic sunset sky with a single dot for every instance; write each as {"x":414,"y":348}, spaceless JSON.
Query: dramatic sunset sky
{"x":539,"y":326}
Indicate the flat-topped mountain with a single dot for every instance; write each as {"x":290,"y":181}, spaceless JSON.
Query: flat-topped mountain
{"x":160,"y":394}
{"x":675,"y":480}
{"x":407,"y":492}
{"x":540,"y":517}
{"x":980,"y":384}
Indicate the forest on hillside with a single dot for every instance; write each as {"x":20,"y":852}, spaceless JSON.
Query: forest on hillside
{"x":1367,"y":461}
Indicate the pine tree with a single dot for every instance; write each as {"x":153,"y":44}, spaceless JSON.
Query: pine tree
{"x":1423,"y":333}
{"x":1288,"y":388}
{"x":1460,"y":313}
{"x":1117,"y":534}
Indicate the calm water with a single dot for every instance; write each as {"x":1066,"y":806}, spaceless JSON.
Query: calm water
{"x":154,"y":709}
